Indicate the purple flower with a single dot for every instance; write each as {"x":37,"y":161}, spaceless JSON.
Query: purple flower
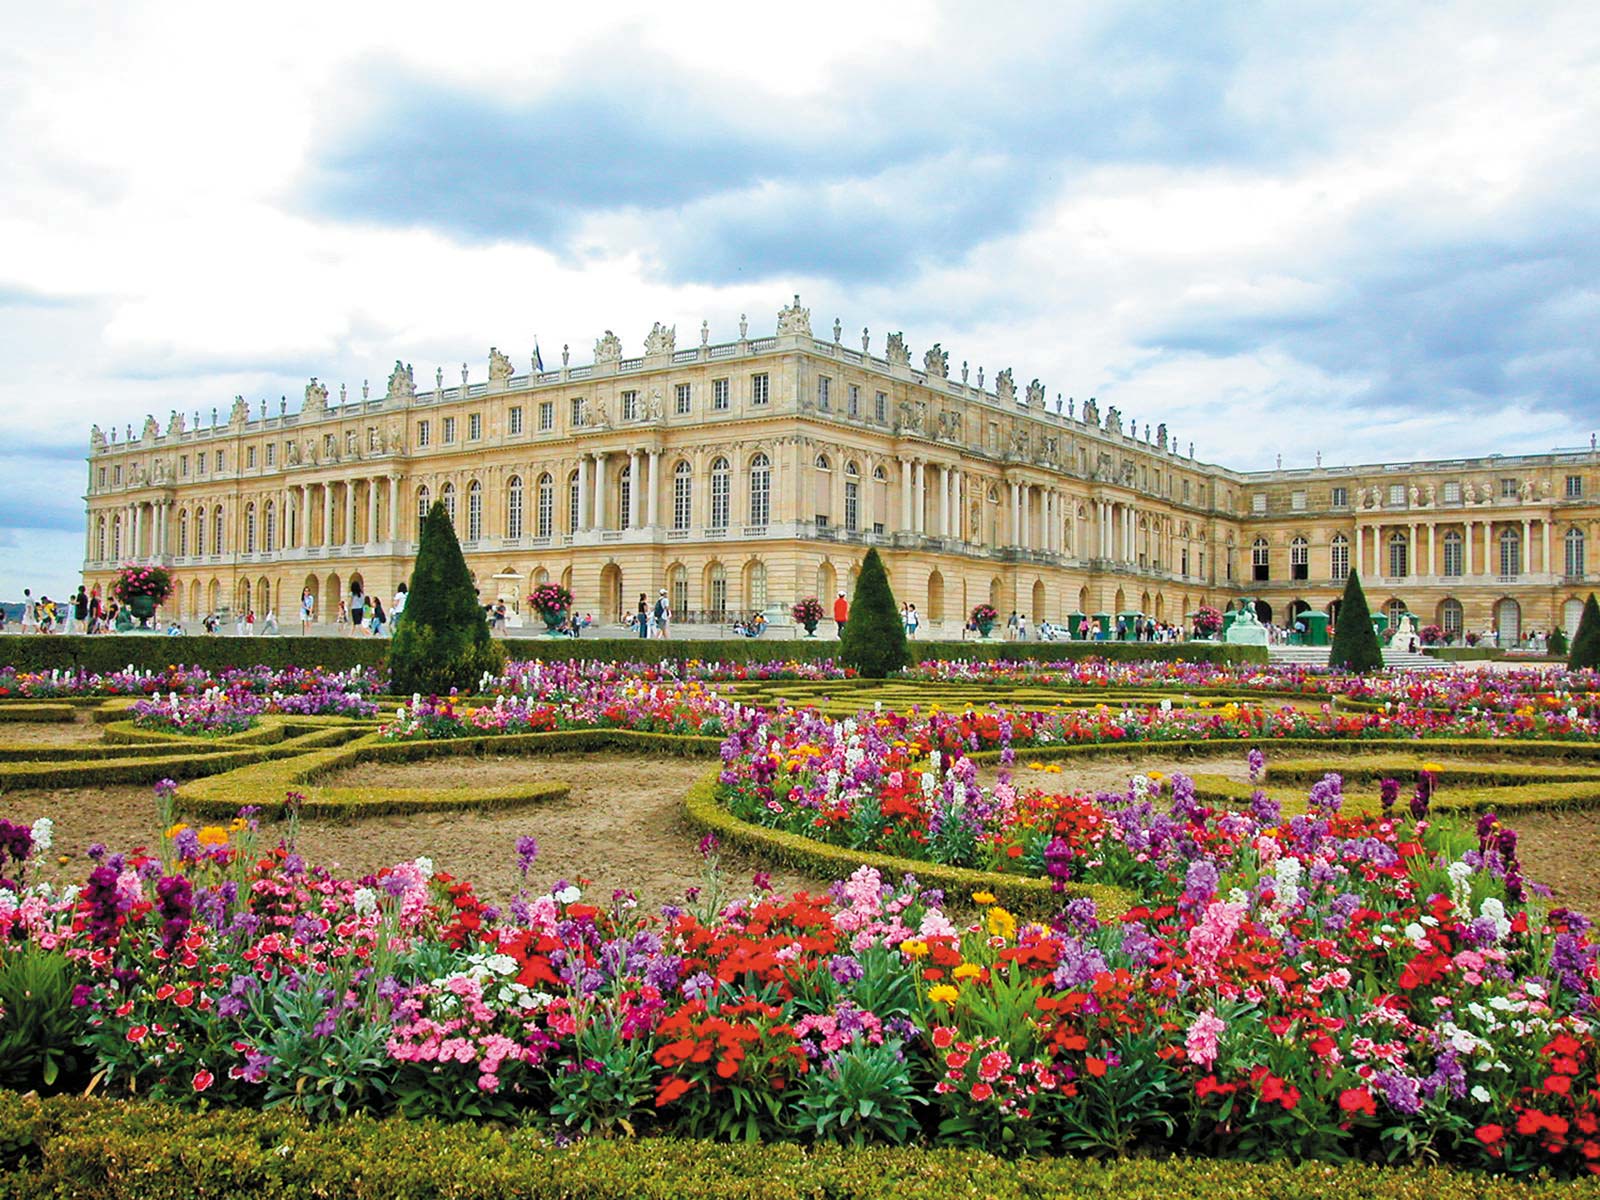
{"x":527,"y":851}
{"x":845,"y":969}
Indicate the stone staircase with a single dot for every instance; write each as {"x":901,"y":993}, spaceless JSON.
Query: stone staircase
{"x":1317,"y":656}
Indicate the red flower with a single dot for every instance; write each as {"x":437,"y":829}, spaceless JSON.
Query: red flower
{"x":202,"y":1079}
{"x":981,"y":1091}
{"x":1358,"y":1100}
{"x":1095,"y":1066}
{"x":1489,"y":1135}
{"x":670,"y":1089}
{"x":137,"y":1033}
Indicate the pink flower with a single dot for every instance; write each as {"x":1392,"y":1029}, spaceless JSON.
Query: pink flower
{"x":202,"y":1079}
{"x":1201,"y":1040}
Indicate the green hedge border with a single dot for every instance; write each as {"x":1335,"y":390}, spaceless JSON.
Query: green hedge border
{"x":109,"y":653}
{"x":139,"y":1150}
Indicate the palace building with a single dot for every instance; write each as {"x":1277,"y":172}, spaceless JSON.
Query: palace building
{"x":743,"y":475}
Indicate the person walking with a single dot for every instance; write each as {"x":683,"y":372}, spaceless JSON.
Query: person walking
{"x":641,"y":617}
{"x":269,"y":627}
{"x":30,"y":612}
{"x":342,"y":621}
{"x":912,"y":620}
{"x":358,"y":607}
{"x":377,"y":619}
{"x":308,"y":606}
{"x":78,"y":611}
{"x":663,"y":614}
{"x":841,"y":612}
{"x":401,"y":595}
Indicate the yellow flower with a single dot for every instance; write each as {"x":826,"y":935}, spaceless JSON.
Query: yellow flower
{"x":983,"y":897}
{"x":1432,"y":766}
{"x":1155,"y":777}
{"x":943,"y":994}
{"x":967,"y":971}
{"x":175,"y":830}
{"x":1001,"y":923}
{"x":213,"y":835}
{"x":913,"y":948}
{"x":238,"y":825}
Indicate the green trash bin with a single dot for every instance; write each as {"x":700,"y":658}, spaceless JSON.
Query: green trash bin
{"x":1316,"y":628}
{"x":1101,"y":623}
{"x":1073,"y":621}
{"x":1127,"y":622}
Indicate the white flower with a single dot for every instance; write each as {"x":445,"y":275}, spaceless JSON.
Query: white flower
{"x":44,"y":834}
{"x":568,"y":895}
{"x":424,"y":865}
{"x":364,"y":901}
{"x":500,"y":964}
{"x":1480,"y":1093}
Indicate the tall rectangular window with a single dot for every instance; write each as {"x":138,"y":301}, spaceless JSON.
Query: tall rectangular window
{"x":760,"y":389}
{"x":719,"y":496}
{"x":547,"y":415}
{"x":1574,"y":492}
{"x":249,"y":457}
{"x":1397,"y":495}
{"x":221,"y":461}
{"x":514,"y":420}
{"x":853,"y":400}
{"x":630,"y":406}
{"x":680,"y":399}
{"x":575,"y":418}
{"x":1339,"y":497}
{"x":449,"y":431}
{"x":474,"y":426}
{"x":880,"y":407}
{"x":424,"y":433}
{"x":719,"y":395}
{"x":272,"y":454}
{"x":682,"y":496}
{"x":1258,"y":502}
{"x":852,"y":504}
{"x":1339,"y":558}
{"x":824,"y":392}
{"x":1452,"y":493}
{"x":1297,"y":502}
{"x":1508,"y":491}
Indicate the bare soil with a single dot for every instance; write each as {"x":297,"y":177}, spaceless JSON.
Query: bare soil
{"x":621,"y":827}
{"x":49,"y":733}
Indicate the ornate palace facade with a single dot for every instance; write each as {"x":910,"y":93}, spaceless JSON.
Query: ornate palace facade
{"x":743,"y":475}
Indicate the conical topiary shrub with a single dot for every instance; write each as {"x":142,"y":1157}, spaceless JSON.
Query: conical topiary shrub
{"x":1355,"y":646}
{"x":443,"y":640}
{"x":1586,"y":642}
{"x":874,"y":640}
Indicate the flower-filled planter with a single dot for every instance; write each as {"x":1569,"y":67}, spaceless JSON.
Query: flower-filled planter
{"x":552,"y":602}
{"x":807,"y":614}
{"x":983,"y":618}
{"x":141,"y":589}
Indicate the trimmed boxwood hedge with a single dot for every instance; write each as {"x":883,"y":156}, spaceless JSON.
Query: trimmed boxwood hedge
{"x":135,"y":1150}
{"x":107,"y":653}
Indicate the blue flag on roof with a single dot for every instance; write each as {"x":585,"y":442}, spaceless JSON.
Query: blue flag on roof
{"x":538,"y":360}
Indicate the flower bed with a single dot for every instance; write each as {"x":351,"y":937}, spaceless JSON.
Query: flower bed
{"x":569,"y":700}
{"x":1377,"y":987}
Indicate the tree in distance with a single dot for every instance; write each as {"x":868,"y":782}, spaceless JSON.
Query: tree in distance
{"x":1355,"y":645}
{"x":874,"y":640}
{"x":442,"y":641}
{"x":1585,"y":654}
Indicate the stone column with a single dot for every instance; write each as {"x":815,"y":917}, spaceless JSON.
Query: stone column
{"x":905,"y":494}
{"x":1433,"y":563}
{"x":327,"y":515}
{"x":1489,"y":565}
{"x":600,"y":489}
{"x":1466,"y":548}
{"x":635,"y":482}
{"x":1411,"y":551}
{"x":653,"y":508}
{"x":944,"y":501}
{"x":350,"y":511}
{"x":1544,"y":527}
{"x":919,"y":496}
{"x":583,"y":493}
{"x":303,"y":537}
{"x":372,"y":510}
{"x":1360,"y":566}
{"x":1527,"y":545}
{"x":394,"y":508}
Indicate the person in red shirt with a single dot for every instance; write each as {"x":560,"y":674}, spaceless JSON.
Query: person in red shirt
{"x":841,"y":612}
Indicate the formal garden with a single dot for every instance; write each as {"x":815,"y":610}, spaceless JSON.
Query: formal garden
{"x":445,"y":924}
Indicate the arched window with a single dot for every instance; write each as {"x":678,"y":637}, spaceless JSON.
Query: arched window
{"x":573,"y":496}
{"x":116,"y":538}
{"x":249,"y":528}
{"x":1510,"y":552}
{"x":760,"y":489}
{"x":852,"y":500}
{"x":200,"y":532}
{"x":100,"y":540}
{"x":682,"y":496}
{"x":1399,"y":555}
{"x":269,"y":527}
{"x":823,"y":464}
{"x":624,"y":494}
{"x":1299,"y":559}
{"x":1339,"y":557}
{"x":424,"y":502}
{"x":183,"y":533}
{"x":1574,"y":557}
{"x":1260,"y":560}
{"x":1454,"y":545}
{"x":717,"y":588}
{"x":1450,"y":617}
{"x":474,"y":511}
{"x":544,"y":520}
{"x":877,"y":475}
{"x":447,"y":497}
{"x":756,"y":587}
{"x":678,"y":581}
{"x":219,"y":541}
{"x":1395,"y":612}
{"x":719,"y":493}
{"x":514,"y":507}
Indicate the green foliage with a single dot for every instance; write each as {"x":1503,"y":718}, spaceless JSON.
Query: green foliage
{"x":605,"y":1087}
{"x":443,"y":642}
{"x":38,"y":1028}
{"x":874,"y":640}
{"x":1557,"y":642}
{"x":1586,"y":642}
{"x":862,"y":1093}
{"x":1355,"y":646}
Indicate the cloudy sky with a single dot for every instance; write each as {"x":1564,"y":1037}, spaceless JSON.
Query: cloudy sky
{"x":1369,"y":231}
